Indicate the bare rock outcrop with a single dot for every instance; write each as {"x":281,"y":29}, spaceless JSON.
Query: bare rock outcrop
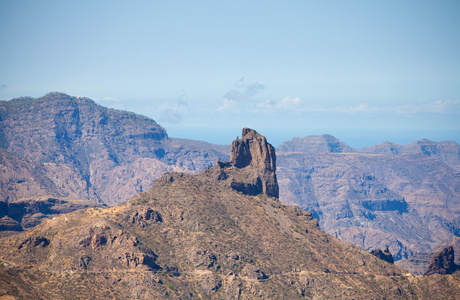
{"x":442,"y":262}
{"x":36,"y":241}
{"x":252,"y":166}
{"x":383,"y":255}
{"x":144,"y":217}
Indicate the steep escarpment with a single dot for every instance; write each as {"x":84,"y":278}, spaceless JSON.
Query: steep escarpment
{"x":71,"y":147}
{"x":402,"y":197}
{"x":194,"y":236}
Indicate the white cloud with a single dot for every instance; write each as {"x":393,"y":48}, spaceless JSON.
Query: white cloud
{"x":229,"y":105}
{"x":289,"y":103}
{"x":354,"y":109}
{"x":296,"y":105}
{"x":110,"y":99}
{"x":271,"y":106}
{"x":266,"y":104}
{"x":437,"y":107}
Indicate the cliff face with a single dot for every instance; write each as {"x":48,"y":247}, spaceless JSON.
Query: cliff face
{"x":402,"y":197}
{"x":194,"y":236}
{"x":252,"y":166}
{"x":253,"y":149}
{"x":72,"y":147}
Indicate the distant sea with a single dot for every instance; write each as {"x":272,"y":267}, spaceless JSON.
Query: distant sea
{"x":356,"y":138}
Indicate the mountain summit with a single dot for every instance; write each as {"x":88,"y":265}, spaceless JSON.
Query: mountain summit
{"x":252,"y":166}
{"x":66,"y":146}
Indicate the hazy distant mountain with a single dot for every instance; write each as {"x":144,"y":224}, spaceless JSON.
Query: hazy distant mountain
{"x":69,"y":146}
{"x":404,"y":197}
{"x":215,"y":235}
{"x":315,"y":144}
{"x":448,"y":151}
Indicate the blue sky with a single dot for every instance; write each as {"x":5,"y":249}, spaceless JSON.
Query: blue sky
{"x":364,"y":71}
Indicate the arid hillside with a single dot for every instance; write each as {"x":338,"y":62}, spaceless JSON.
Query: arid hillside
{"x":216,"y":235}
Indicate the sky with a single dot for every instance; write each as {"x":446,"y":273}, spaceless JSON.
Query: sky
{"x":363,"y":71}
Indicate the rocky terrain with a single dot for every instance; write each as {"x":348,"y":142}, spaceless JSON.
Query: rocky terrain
{"x":68,"y":146}
{"x":26,"y":213}
{"x":443,"y":262}
{"x":200,"y":236}
{"x":406,"y":198}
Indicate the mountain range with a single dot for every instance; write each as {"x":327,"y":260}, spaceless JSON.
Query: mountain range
{"x":405,"y":197}
{"x":220,"y":234}
{"x":71,"y":147}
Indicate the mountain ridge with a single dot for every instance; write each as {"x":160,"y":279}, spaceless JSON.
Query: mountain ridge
{"x":92,"y":156}
{"x":78,"y":148}
{"x":407,"y":199}
{"x":194,"y":236}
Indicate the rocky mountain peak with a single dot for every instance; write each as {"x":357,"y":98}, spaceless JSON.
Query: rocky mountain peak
{"x":252,"y":166}
{"x":253,"y":149}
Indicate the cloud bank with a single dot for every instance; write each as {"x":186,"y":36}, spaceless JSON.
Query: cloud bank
{"x":297,"y":105}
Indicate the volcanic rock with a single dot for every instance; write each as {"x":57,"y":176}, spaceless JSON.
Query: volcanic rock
{"x":443,"y":262}
{"x":252,"y":166}
{"x":383,"y":255}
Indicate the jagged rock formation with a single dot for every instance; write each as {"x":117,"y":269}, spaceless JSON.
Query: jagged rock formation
{"x":67,"y":146}
{"x":406,"y":199}
{"x":442,"y":262}
{"x":192,"y":236}
{"x":252,"y":166}
{"x":383,"y":255}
